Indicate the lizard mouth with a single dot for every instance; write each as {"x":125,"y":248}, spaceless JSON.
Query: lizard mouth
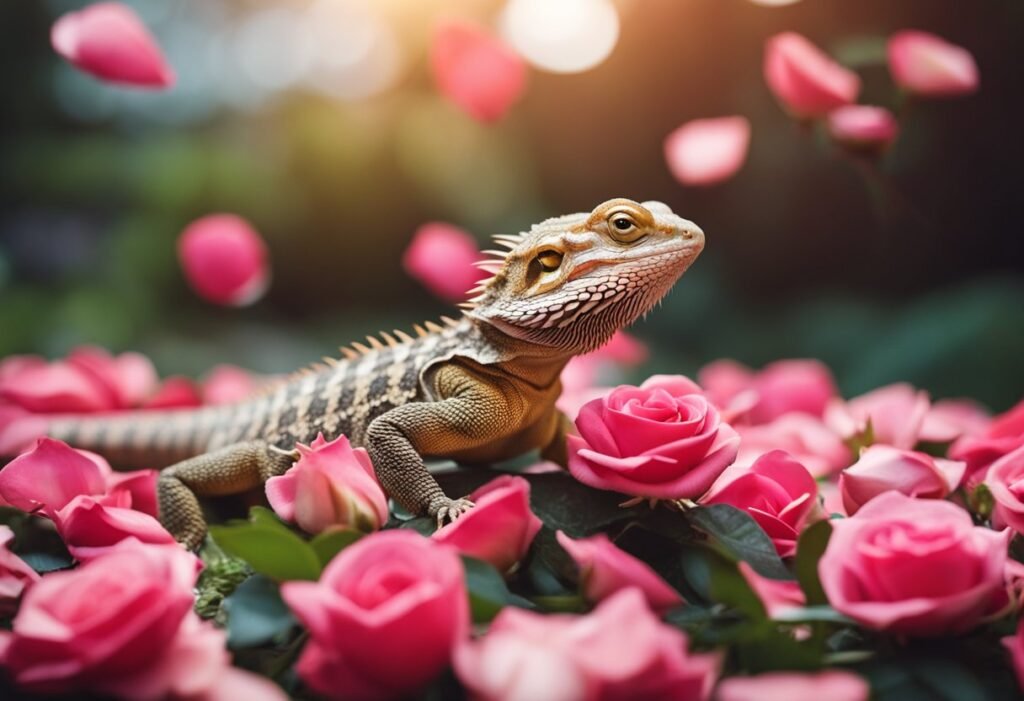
{"x":687,"y":251}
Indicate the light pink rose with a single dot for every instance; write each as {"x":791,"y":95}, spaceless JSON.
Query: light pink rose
{"x":606,"y":569}
{"x":950,"y":419}
{"x":832,"y":684}
{"x":895,"y":412}
{"x":707,"y":151}
{"x":914,"y":567}
{"x":476,"y":70}
{"x":226,"y":384}
{"x":443,"y":258}
{"x":109,"y":41}
{"x":663,"y":440}
{"x":882,"y":468}
{"x":331,"y":485}
{"x":804,"y":79}
{"x":500,"y":528}
{"x":384,"y":617}
{"x":777,"y":491}
{"x":806,"y":438}
{"x":777,"y":595}
{"x":1015,"y":646}
{"x":983,"y":447}
{"x":15,"y":574}
{"x":1005,"y":479}
{"x":781,"y":388}
{"x":928,"y":65}
{"x":224,"y":260}
{"x":863,"y":127}
{"x":617,"y":652}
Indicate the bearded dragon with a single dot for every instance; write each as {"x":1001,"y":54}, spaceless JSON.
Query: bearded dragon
{"x":477,"y":390}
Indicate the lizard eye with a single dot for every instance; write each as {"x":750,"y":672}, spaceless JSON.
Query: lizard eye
{"x":623,"y":227}
{"x":549,"y":260}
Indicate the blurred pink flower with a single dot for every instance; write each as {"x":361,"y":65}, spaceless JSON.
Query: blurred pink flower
{"x":930,"y":66}
{"x":606,"y":569}
{"x":981,"y":448}
{"x":896,"y":414}
{"x":175,"y":392}
{"x":623,"y":348}
{"x":618,"y":651}
{"x":950,"y":419}
{"x":813,"y":444}
{"x":582,"y":374}
{"x":224,"y":260}
{"x":226,"y":384}
{"x":47,"y":477}
{"x":15,"y":574}
{"x":476,"y":70}
{"x":805,"y":79}
{"x":882,"y":468}
{"x":777,"y":595}
{"x":708,"y":151}
{"x":331,"y":485}
{"x":863,"y":127}
{"x":1005,"y":479}
{"x":91,"y":526}
{"x":110,"y":42}
{"x":831,"y":684}
{"x":500,"y":528}
{"x":780,"y":388}
{"x":442,"y":258}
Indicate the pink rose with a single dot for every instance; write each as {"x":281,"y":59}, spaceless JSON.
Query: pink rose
{"x":1015,"y":646}
{"x":585,"y":377}
{"x":981,"y":448}
{"x":663,"y":440}
{"x":224,"y":260}
{"x":384,"y":617}
{"x":500,"y":528}
{"x":121,"y":625}
{"x":832,"y":684}
{"x":226,"y":384}
{"x":90,"y":527}
{"x":928,"y":65}
{"x":605,"y":570}
{"x":619,"y":651}
{"x":443,"y":258}
{"x":708,"y":151}
{"x":781,"y":388}
{"x":895,"y":413}
{"x":882,"y":468}
{"x":806,"y":438}
{"x":804,"y":79}
{"x":15,"y":574}
{"x":1005,"y":479}
{"x":777,"y":491}
{"x":914,"y":567}
{"x":777,"y":595}
{"x":109,"y":41}
{"x":331,"y":485}
{"x":175,"y":392}
{"x":863,"y":127}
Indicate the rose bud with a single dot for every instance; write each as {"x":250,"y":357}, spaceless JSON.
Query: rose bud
{"x":882,"y":468}
{"x":863,"y":128}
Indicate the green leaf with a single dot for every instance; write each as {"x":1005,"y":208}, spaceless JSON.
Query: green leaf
{"x":809,"y":549}
{"x":567,"y":603}
{"x":981,"y":501}
{"x":423,"y":525}
{"x":256,"y":613}
{"x":330,"y":543}
{"x":488,"y":593}
{"x":812,"y":614}
{"x":739,"y":536}
{"x":729,"y":587}
{"x":46,"y":562}
{"x":948,"y":680}
{"x":772,"y":650}
{"x":271,"y":550}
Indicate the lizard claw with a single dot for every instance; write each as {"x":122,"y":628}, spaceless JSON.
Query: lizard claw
{"x":452,"y":510}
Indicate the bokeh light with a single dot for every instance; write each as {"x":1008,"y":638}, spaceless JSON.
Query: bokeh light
{"x":567,"y":36}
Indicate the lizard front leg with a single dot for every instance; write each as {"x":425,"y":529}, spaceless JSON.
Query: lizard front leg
{"x":471,"y":413}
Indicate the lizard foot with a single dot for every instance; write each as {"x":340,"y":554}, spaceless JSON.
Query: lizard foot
{"x":452,"y":509}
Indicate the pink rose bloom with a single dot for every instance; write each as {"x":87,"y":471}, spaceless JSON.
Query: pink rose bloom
{"x":832,"y":684}
{"x":606,"y":569}
{"x":619,"y":651}
{"x":813,"y":444}
{"x":224,"y":260}
{"x":109,"y":41}
{"x":331,"y":485}
{"x":15,"y":574}
{"x":226,"y":384}
{"x":119,"y":626}
{"x":476,"y":70}
{"x":1005,"y":479}
{"x":585,"y":377}
{"x":863,"y":127}
{"x":914,"y":567}
{"x":882,"y":468}
{"x":950,"y":419}
{"x":804,"y":79}
{"x":777,"y":595}
{"x":708,"y":151}
{"x":781,"y":388}
{"x":777,"y":491}
{"x":443,"y":258}
{"x":383,"y":619}
{"x":662,"y":440}
{"x":500,"y":528}
{"x":980,"y":449}
{"x":896,"y":414}
{"x":1015,"y":646}
{"x":90,"y":527}
{"x":924,"y":64}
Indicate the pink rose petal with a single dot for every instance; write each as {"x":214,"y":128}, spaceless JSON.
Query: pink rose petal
{"x":708,"y":151}
{"x":805,"y":79}
{"x":224,"y":260}
{"x":442,"y":257}
{"x":928,"y":65}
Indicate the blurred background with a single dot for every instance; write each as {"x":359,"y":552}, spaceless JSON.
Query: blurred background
{"x":319,"y":122}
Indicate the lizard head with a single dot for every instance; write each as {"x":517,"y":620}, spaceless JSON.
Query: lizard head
{"x":571,"y":282}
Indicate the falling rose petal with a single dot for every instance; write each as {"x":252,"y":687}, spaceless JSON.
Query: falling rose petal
{"x":708,"y":151}
{"x":109,"y":41}
{"x":805,"y":79}
{"x":442,"y":257}
{"x":224,"y":260}
{"x":928,"y":65}
{"x":863,"y":127}
{"x":476,"y":70}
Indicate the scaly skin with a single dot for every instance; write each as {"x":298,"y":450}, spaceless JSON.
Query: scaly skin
{"x":477,"y":390}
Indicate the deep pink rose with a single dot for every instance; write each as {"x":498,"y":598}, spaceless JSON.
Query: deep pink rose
{"x":928,"y":65}
{"x":617,"y":652}
{"x":806,"y":438}
{"x":914,"y":566}
{"x":981,"y":448}
{"x":1005,"y":479}
{"x":384,"y":617}
{"x":331,"y":485}
{"x":224,"y":260}
{"x":863,"y":127}
{"x":500,"y":528}
{"x":663,"y":439}
{"x":777,"y":491}
{"x":15,"y":574}
{"x":109,"y":41}
{"x":130,"y":377}
{"x":777,"y":595}
{"x":175,"y":392}
{"x":443,"y":258}
{"x":896,"y":414}
{"x":606,"y":569}
{"x":830,"y":685}
{"x":804,"y":79}
{"x":708,"y":151}
{"x":91,"y":526}
{"x":1015,"y":646}
{"x":882,"y":468}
